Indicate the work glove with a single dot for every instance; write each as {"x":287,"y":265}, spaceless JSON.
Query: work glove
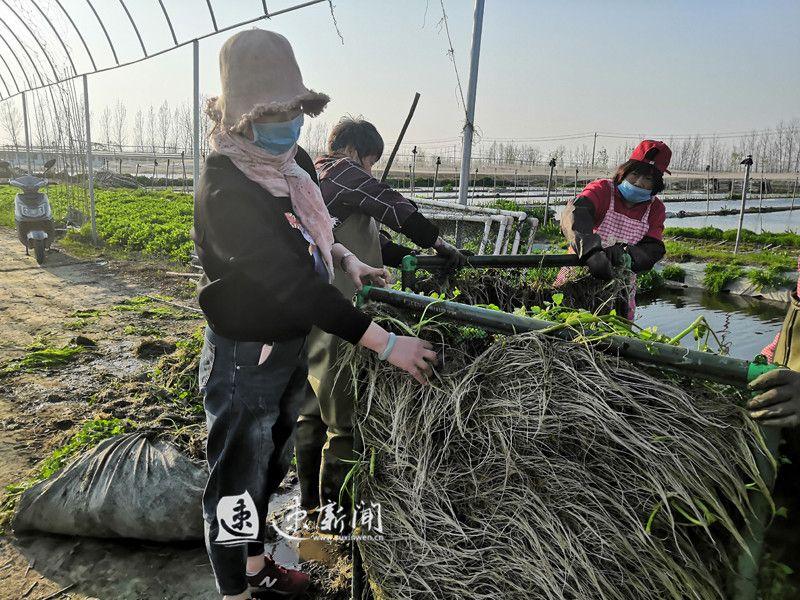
{"x":585,"y":244}
{"x":599,"y":265}
{"x":455,"y":259}
{"x":616,"y":254}
{"x":640,"y":260}
{"x":778,"y":404}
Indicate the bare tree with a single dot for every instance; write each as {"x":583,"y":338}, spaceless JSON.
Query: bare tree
{"x":138,"y":130}
{"x":11,"y":122}
{"x":105,"y":126}
{"x":164,"y":125}
{"x":120,"y":123}
{"x":151,"y":128}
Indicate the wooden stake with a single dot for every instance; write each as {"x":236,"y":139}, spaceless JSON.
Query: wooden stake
{"x":400,"y":138}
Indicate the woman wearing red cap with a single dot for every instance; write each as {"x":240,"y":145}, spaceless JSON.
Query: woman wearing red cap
{"x":620,"y":215}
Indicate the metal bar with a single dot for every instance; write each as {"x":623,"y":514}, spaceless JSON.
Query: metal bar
{"x":705,"y":365}
{"x":400,"y":137}
{"x":195,"y":116}
{"x":501,"y":236}
{"x":27,"y":131}
{"x":133,"y":24}
{"x":180,"y":45}
{"x":169,"y":21}
{"x":58,"y":36}
{"x":35,"y":38}
{"x":213,"y":18}
{"x":103,"y":26}
{"x":505,"y":261}
{"x":748,"y":162}
{"x":8,"y":91}
{"x":89,"y":165}
{"x":80,"y":35}
{"x":487,"y":229}
{"x":264,"y":4}
{"x":19,"y":63}
{"x":472,"y":89}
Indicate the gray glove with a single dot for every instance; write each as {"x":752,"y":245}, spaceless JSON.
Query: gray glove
{"x":779,"y":404}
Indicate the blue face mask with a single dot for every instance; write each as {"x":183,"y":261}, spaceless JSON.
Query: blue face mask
{"x":277,"y":138}
{"x":633,"y":193}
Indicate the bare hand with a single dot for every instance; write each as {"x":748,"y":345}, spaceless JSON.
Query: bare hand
{"x":779,"y":404}
{"x":415,"y":356}
{"x":362,"y":274}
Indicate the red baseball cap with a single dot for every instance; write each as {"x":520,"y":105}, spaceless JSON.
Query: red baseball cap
{"x":655,"y":153}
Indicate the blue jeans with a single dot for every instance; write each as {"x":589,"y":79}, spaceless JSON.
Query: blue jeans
{"x":251,"y":411}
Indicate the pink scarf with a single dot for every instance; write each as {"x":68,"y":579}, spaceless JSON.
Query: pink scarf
{"x":281,"y":176}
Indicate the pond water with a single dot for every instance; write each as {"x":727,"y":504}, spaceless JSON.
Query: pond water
{"x":746,"y":324}
{"x":776,"y":222}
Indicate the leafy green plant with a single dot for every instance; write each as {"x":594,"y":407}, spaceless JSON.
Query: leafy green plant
{"x":771,"y":277}
{"x":649,"y":281}
{"x":718,"y":276}
{"x":673,"y":273}
{"x":91,"y":433}
{"x":40,"y":357}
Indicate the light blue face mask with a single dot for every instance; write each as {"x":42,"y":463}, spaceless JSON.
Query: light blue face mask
{"x":277,"y":138}
{"x":633,"y":193}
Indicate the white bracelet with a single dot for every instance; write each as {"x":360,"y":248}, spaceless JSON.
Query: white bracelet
{"x":341,"y":260}
{"x":387,"y":352}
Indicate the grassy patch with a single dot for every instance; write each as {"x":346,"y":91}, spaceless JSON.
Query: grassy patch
{"x":787,"y":239}
{"x":149,"y":307}
{"x":142,"y":330}
{"x":673,"y":273}
{"x":649,"y":281}
{"x":39,"y":357}
{"x":692,"y":251}
{"x":82,"y":318}
{"x":718,"y":276}
{"x":155,"y":223}
{"x":772,"y":277}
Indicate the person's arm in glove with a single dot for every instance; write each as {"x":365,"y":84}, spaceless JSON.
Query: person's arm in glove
{"x":577,"y":225}
{"x":455,"y":258}
{"x":778,"y":404}
{"x":646,"y":254}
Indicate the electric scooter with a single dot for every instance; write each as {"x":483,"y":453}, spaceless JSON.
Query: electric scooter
{"x":32,"y":213}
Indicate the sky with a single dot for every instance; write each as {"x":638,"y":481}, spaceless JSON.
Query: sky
{"x":546,"y":68}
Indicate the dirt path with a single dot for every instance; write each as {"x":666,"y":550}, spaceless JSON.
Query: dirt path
{"x":39,"y":411}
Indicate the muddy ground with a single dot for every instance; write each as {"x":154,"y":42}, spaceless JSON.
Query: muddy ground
{"x":40,"y":411}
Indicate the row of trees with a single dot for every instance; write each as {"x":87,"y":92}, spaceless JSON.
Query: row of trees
{"x":57,"y":121}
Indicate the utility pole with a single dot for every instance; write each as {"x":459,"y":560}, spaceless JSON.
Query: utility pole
{"x":547,"y":199}
{"x":436,"y":176}
{"x":413,"y":169}
{"x":794,"y":190}
{"x":708,"y":189}
{"x":747,"y":162}
{"x":469,"y":126}
{"x":594,"y":145}
{"x":576,"y":182}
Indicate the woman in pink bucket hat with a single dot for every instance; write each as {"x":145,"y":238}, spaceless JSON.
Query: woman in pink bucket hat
{"x":264,"y":238}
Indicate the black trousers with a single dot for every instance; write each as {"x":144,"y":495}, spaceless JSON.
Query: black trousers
{"x":251,"y":411}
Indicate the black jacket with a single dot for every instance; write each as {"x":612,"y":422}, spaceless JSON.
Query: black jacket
{"x":260,"y":283}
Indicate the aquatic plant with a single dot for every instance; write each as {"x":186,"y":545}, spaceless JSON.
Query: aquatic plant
{"x":534,"y":468}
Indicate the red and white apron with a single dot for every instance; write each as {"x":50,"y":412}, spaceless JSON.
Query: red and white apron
{"x":613,"y":229}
